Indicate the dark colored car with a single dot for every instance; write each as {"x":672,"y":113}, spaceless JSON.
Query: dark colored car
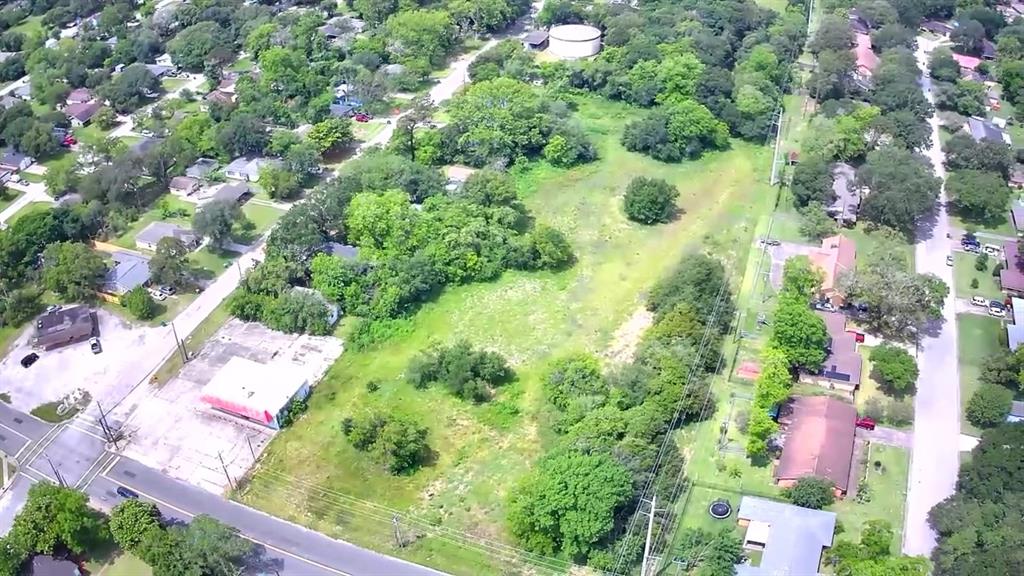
{"x":866,"y":423}
{"x":29,"y":359}
{"x":127,"y":493}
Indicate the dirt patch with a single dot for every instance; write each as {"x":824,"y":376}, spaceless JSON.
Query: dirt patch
{"x":627,"y":336}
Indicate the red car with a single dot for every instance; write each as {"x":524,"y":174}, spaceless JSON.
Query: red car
{"x":70,"y":141}
{"x":362,"y":117}
{"x":865,"y":423}
{"x":857,"y":336}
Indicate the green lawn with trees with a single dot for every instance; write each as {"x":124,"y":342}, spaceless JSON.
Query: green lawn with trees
{"x":482,"y":450}
{"x":970,"y":281}
{"x":979,"y":338}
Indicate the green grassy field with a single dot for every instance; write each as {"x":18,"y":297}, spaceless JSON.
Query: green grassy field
{"x":172,"y":84}
{"x":208,"y":263}
{"x":123,"y":564}
{"x":1002,"y":227}
{"x":31,"y":26}
{"x":30,"y":208}
{"x":91,"y":134}
{"x":964,"y":272}
{"x":888,"y":493}
{"x":263,"y":217}
{"x":8,"y":196}
{"x":531,"y":318}
{"x":979,"y":337}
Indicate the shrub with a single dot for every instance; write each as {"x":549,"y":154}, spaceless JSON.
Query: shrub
{"x":130,"y":520}
{"x":894,"y":368}
{"x":874,"y":408}
{"x":899,"y":413}
{"x":397,"y":441}
{"x":989,"y":405}
{"x":295,"y":409}
{"x":466,"y":372}
{"x":981,"y":262}
{"x":140,"y":303}
{"x":974,"y":283}
{"x":811,"y":492}
{"x":650,"y":200}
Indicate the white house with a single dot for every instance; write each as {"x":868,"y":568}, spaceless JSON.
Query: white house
{"x":165,"y":60}
{"x":248,"y":168}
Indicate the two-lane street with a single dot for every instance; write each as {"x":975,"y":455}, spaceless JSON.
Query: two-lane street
{"x":935,"y":458}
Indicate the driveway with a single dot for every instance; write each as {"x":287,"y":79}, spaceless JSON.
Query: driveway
{"x":31,"y":192}
{"x":784,"y":251}
{"x":935,"y":456}
{"x":888,"y":436}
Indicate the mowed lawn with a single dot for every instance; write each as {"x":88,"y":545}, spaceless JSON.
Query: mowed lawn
{"x":964,"y":272}
{"x":481,"y":451}
{"x":978,"y":337}
{"x":888,"y":488}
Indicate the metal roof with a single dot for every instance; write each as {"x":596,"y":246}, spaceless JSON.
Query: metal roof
{"x":796,"y":537}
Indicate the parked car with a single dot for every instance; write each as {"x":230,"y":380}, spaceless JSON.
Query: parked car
{"x":124,"y":492}
{"x":865,"y":423}
{"x":168,"y":290}
{"x":157,"y":295}
{"x":53,"y":308}
{"x":979,"y":301}
{"x":949,"y":260}
{"x":991,"y":250}
{"x":972,"y":248}
{"x":94,"y":345}
{"x":857,"y":336}
{"x":996,"y":309}
{"x":29,"y":359}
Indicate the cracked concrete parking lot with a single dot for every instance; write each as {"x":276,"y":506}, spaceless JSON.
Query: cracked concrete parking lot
{"x":173,"y":431}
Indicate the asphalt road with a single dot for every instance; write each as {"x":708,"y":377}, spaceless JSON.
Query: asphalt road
{"x":935,"y":457}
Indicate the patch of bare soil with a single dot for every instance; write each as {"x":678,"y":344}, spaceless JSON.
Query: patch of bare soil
{"x":627,"y":336}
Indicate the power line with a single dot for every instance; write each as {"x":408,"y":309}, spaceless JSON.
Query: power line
{"x":668,"y":439}
{"x":333,"y":499}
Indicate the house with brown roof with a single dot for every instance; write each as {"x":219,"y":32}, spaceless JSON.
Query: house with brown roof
{"x":82,"y":113}
{"x":183,"y":185}
{"x":837,"y":255}
{"x":817,"y":441}
{"x":841,"y":369}
{"x":1011,"y":277}
{"x":80,"y":96}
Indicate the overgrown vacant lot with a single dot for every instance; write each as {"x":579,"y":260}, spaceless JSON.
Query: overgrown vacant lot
{"x":482,"y":450}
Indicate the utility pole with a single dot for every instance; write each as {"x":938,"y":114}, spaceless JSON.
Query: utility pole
{"x":398,"y":540}
{"x":56,"y":473}
{"x":231,"y":483}
{"x":180,"y":345}
{"x":111,"y":437}
{"x":777,"y":125}
{"x":251,"y":451}
{"x":646,"y":568}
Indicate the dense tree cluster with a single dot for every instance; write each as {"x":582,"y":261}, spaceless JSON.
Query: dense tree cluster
{"x":611,"y":425}
{"x":412,"y":238}
{"x":267,"y":295}
{"x":980,"y":527}
{"x":797,"y":331}
{"x":811,"y":492}
{"x":872,"y":556}
{"x":894,"y":368}
{"x":466,"y":372}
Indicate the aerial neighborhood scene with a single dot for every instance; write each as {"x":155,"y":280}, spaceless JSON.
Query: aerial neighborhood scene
{"x":623,"y":287}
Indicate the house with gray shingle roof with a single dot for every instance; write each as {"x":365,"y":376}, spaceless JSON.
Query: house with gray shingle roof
{"x":129,"y":271}
{"x":149,"y":236}
{"x":791,"y":538}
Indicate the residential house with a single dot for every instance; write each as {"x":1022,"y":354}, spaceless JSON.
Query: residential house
{"x":5,"y":176}
{"x":1011,"y":277}
{"x":817,"y":441}
{"x":859,"y":24}
{"x":981,"y":129}
{"x":158,"y":70}
{"x":23,"y":92}
{"x":234,"y":192}
{"x":341,"y":30}
{"x":225,"y":91}
{"x":393,"y":69}
{"x":1017,"y":215}
{"x":343,"y":251}
{"x":248,"y":168}
{"x":846,"y":194}
{"x":1016,"y":412}
{"x":151,"y":235}
{"x":966,"y":62}
{"x":4,"y":56}
{"x":841,"y":369}
{"x":80,"y":96}
{"x":943,"y":29}
{"x":791,"y":538}
{"x":202,"y":168}
{"x":130,"y":270}
{"x":63,"y":326}
{"x":1016,"y":180}
{"x":988,"y":50}
{"x":44,"y":565}
{"x":183,"y":185}
{"x":837,"y":255}
{"x":7,"y":102}
{"x":1015,"y":331}
{"x":866,"y":59}
{"x":343,"y":110}
{"x":536,"y":40}
{"x":11,"y":159}
{"x":81,"y":114}
{"x":164,"y":60}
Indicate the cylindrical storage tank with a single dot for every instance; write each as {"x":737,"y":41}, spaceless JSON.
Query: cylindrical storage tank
{"x":574,"y":41}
